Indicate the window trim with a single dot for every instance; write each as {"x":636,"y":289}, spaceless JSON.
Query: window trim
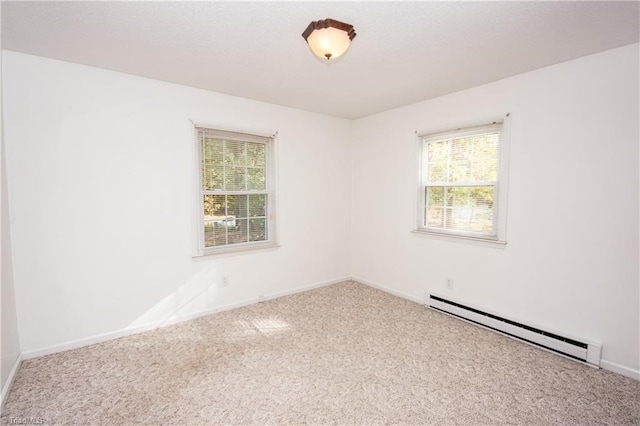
{"x":499,"y":237}
{"x":199,"y":249}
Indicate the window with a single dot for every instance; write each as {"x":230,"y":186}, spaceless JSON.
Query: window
{"x":463,"y":183}
{"x":235,"y":191}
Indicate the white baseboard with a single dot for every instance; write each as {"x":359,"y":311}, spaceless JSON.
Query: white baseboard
{"x":620,"y":369}
{"x":247,"y":302}
{"x":607,"y":365}
{"x":75,"y":344}
{"x":388,"y":290}
{"x":7,"y":386}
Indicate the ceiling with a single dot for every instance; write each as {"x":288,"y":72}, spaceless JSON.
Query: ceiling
{"x":404,"y":52}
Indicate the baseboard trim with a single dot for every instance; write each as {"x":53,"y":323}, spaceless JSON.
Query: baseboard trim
{"x":7,"y":386}
{"x":246,"y":302}
{"x":75,"y":344}
{"x":620,"y":369}
{"x":607,"y":365}
{"x":388,"y":290}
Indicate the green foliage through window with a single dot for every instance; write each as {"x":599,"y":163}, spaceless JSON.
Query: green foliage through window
{"x":460,"y":177}
{"x":234,"y":190}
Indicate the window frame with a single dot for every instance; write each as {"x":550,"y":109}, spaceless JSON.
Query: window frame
{"x":199,"y":248}
{"x":498,"y":237}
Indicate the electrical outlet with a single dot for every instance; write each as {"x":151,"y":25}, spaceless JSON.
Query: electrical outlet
{"x":225,"y":281}
{"x":449,"y":283}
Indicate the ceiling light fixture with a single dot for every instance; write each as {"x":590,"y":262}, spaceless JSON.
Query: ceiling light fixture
{"x":329,"y":39}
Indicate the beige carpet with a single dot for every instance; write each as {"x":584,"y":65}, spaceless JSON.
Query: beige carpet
{"x":344,"y":354}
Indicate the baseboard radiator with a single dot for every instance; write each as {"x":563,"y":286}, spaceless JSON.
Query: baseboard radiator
{"x":579,"y":350}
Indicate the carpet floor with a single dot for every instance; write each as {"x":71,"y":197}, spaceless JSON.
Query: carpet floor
{"x":343,"y":354}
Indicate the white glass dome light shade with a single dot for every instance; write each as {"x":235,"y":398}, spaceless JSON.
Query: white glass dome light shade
{"x":329,"y":39}
{"x":329,"y":43}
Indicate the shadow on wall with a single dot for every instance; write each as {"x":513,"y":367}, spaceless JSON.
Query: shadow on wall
{"x":202,"y":288}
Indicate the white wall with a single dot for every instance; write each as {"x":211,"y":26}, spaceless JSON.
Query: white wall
{"x":9,"y":338}
{"x":10,"y":341}
{"x":571,"y":262}
{"x":99,"y":178}
{"x":100,"y":173}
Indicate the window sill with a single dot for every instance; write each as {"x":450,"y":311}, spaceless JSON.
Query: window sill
{"x":240,"y":249}
{"x":460,"y":238}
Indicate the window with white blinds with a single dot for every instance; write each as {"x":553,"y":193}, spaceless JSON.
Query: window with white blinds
{"x":235,"y":190}
{"x":462,"y":182}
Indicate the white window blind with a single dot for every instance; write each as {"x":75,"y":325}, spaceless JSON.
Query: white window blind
{"x":235,"y":189}
{"x":460,"y":181}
